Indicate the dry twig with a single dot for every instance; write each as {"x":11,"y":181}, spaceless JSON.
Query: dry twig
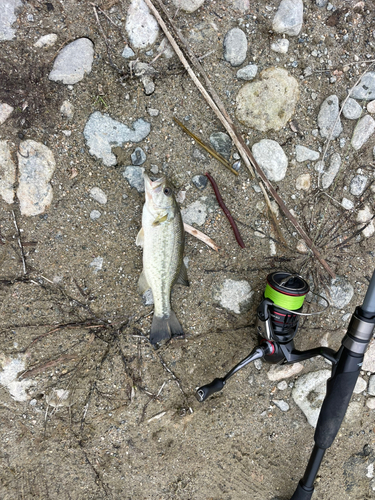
{"x":201,"y":236}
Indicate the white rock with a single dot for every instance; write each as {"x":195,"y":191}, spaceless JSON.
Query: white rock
{"x":67,"y":110}
{"x":363,"y":131}
{"x":309,"y":392}
{"x":166,"y":49}
{"x":46,"y":41}
{"x":271,"y":158}
{"x":282,"y":405}
{"x":371,"y":386}
{"x":276,"y":373}
{"x":128,"y":52}
{"x":289,"y":17}
{"x":303,"y":182}
{"x":36,"y":165}
{"x":98,"y":195}
{"x":352,"y":110}
{"x":282,"y":385}
{"x":11,"y":369}
{"x":7,"y":173}
{"x":340,"y":292}
{"x":306,"y":154}
{"x":347,"y":204}
{"x":97,"y":264}
{"x":95,"y":214}
{"x":5,"y":111}
{"x":188,"y":5}
{"x":364,"y":216}
{"x":73,"y":62}
{"x":8,"y":16}
{"x":241,"y":5}
{"x":302,"y":247}
{"x":370,"y":403}
{"x":334,"y":167}
{"x":360,"y":386}
{"x":195,"y":213}
{"x":366,"y":87}
{"x":234,"y":295}
{"x":281,"y":46}
{"x":141,"y":26}
{"x":371,"y":107}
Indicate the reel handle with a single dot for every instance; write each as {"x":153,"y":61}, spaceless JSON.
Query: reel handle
{"x":207,"y":390}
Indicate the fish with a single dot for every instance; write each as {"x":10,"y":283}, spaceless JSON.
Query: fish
{"x":162,"y":237}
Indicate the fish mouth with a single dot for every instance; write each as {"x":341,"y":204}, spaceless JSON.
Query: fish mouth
{"x":153,"y":186}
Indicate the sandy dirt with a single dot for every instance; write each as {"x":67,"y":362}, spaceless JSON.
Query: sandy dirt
{"x":105,"y":415}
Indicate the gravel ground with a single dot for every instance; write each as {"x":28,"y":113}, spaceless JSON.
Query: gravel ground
{"x":88,"y":408}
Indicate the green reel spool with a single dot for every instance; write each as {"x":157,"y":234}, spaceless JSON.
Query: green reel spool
{"x":287,"y":291}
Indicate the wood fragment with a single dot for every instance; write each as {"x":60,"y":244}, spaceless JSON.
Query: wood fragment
{"x":218,"y":108}
{"x":201,"y":236}
{"x":206,"y":147}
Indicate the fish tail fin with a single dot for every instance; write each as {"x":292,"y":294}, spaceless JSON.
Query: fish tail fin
{"x":163,"y":328}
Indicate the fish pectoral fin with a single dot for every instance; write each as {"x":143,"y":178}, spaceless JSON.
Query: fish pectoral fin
{"x":160,"y":219}
{"x":140,"y":238}
{"x":183,"y":277}
{"x":143,"y":285}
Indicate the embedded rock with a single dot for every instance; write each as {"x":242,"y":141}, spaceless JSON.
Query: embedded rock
{"x":363,"y":131}
{"x":8,"y":17}
{"x":289,"y":17}
{"x":7,"y":173}
{"x":235,"y":47}
{"x":268,"y":104}
{"x":36,"y":166}
{"x":102,"y":133}
{"x":188,"y":5}
{"x":329,"y":121}
{"x":309,"y":392}
{"x":352,"y":110}
{"x":365,"y":88}
{"x":141,"y":26}
{"x":234,"y":295}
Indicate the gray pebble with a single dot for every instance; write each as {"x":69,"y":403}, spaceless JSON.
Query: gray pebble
{"x":221,"y":143}
{"x":7,"y":173}
{"x":340,"y":292}
{"x":236,"y":165}
{"x":358,"y":184}
{"x":5,"y":111}
{"x":366,"y":88}
{"x":134,"y":176}
{"x":282,"y":405}
{"x":102,"y":133}
{"x":258,"y":364}
{"x":152,"y":111}
{"x":305,"y":154}
{"x":321,"y":3}
{"x":138,"y":157}
{"x":282,"y":385}
{"x":198,"y":155}
{"x":67,"y":110}
{"x":271,"y":158}
{"x":46,"y":41}
{"x":329,"y":176}
{"x":289,"y":17}
{"x":328,"y":113}
{"x":98,"y":195}
{"x":363,"y":131}
{"x":247,"y":72}
{"x":200,"y":181}
{"x":154,"y":169}
{"x":73,"y":62}
{"x":95,"y":214}
{"x":235,"y":47}
{"x":352,"y":110}
{"x":127,"y":53}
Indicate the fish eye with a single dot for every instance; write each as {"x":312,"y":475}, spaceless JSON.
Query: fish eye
{"x":167,"y":191}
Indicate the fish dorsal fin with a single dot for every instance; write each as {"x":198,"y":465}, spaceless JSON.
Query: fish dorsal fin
{"x":143,"y":285}
{"x":182,"y":276}
{"x":140,"y":238}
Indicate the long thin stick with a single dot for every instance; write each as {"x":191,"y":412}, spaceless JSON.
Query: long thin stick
{"x":205,"y":146}
{"x":244,"y":151}
{"x":201,"y":236}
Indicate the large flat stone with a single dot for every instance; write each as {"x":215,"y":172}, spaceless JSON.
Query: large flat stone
{"x":73,"y":62}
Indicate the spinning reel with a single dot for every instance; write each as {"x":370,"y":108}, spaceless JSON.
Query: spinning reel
{"x":277,"y":324}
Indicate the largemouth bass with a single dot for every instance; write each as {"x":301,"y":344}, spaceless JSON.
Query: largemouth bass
{"x":162,"y":238}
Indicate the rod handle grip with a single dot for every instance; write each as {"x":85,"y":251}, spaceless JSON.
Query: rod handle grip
{"x":207,"y":390}
{"x":302,"y":493}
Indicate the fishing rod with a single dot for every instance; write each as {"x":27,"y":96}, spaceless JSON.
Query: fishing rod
{"x":277,"y":324}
